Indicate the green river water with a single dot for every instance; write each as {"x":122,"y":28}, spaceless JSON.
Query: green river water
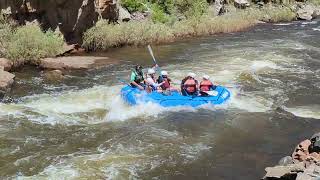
{"x":81,"y":129}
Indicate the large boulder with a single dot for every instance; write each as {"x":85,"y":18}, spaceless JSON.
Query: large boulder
{"x":6,"y":80}
{"x":124,"y":14}
{"x":241,"y":4}
{"x":289,"y":171}
{"x":75,"y":62}
{"x":307,"y":12}
{"x":6,"y":64}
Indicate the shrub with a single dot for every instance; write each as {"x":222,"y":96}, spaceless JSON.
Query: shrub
{"x":29,"y":43}
{"x":134,"y":5}
{"x":158,"y":14}
{"x":192,"y":8}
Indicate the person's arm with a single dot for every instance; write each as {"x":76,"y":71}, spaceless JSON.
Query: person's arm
{"x":152,"y":83}
{"x":132,"y":78}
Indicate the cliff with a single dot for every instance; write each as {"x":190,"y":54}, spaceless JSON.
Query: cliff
{"x":71,"y":17}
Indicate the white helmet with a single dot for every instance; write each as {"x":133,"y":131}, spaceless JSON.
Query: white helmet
{"x":151,"y":71}
{"x":164,"y":73}
{"x":206,"y":77}
{"x":193,"y":75}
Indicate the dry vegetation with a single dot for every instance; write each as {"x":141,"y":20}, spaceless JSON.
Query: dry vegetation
{"x":104,"y":35}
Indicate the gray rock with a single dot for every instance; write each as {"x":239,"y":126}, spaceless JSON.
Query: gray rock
{"x":311,"y":173}
{"x":286,"y":161}
{"x":306,"y":12}
{"x":283,"y":171}
{"x":219,"y":7}
{"x":124,"y":14}
{"x":241,"y":4}
{"x":139,"y":16}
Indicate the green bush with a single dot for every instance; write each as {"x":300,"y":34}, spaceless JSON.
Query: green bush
{"x":134,"y":5}
{"x":167,"y":6}
{"x":192,"y":8}
{"x":29,"y":44}
{"x":158,"y":14}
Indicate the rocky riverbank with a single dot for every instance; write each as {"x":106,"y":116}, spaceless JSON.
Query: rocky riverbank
{"x":303,"y":164}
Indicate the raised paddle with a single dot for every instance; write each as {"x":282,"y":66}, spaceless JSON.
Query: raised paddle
{"x":153,"y":58}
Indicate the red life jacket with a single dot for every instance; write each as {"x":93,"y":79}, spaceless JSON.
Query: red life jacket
{"x":205,"y":85}
{"x":190,"y":85}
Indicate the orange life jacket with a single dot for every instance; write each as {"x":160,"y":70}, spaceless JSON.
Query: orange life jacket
{"x":190,"y":85}
{"x":205,"y":85}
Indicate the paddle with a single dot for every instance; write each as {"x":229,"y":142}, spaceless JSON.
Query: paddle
{"x":210,"y":93}
{"x":153,"y":58}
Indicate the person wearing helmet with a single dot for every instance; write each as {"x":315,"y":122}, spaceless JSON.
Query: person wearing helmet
{"x":163,"y":78}
{"x":136,"y":79}
{"x":151,"y":82}
{"x":206,"y":85}
{"x":189,"y":85}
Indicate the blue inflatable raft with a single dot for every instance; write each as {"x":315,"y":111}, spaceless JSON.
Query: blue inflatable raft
{"x":135,"y":96}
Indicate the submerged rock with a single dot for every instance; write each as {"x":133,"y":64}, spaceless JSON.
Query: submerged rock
{"x":75,"y":62}
{"x":55,"y":75}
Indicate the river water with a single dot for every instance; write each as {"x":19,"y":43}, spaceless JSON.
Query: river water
{"x":81,"y":129}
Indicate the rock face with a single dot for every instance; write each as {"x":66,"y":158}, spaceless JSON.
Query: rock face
{"x":72,"y":17}
{"x":304,"y":164}
{"x":75,"y":62}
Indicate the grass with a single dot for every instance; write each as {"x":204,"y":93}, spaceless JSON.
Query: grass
{"x":27,"y":44}
{"x":104,"y":35}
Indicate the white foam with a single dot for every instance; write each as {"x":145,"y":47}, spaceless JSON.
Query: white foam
{"x":311,"y":111}
{"x":259,"y":65}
